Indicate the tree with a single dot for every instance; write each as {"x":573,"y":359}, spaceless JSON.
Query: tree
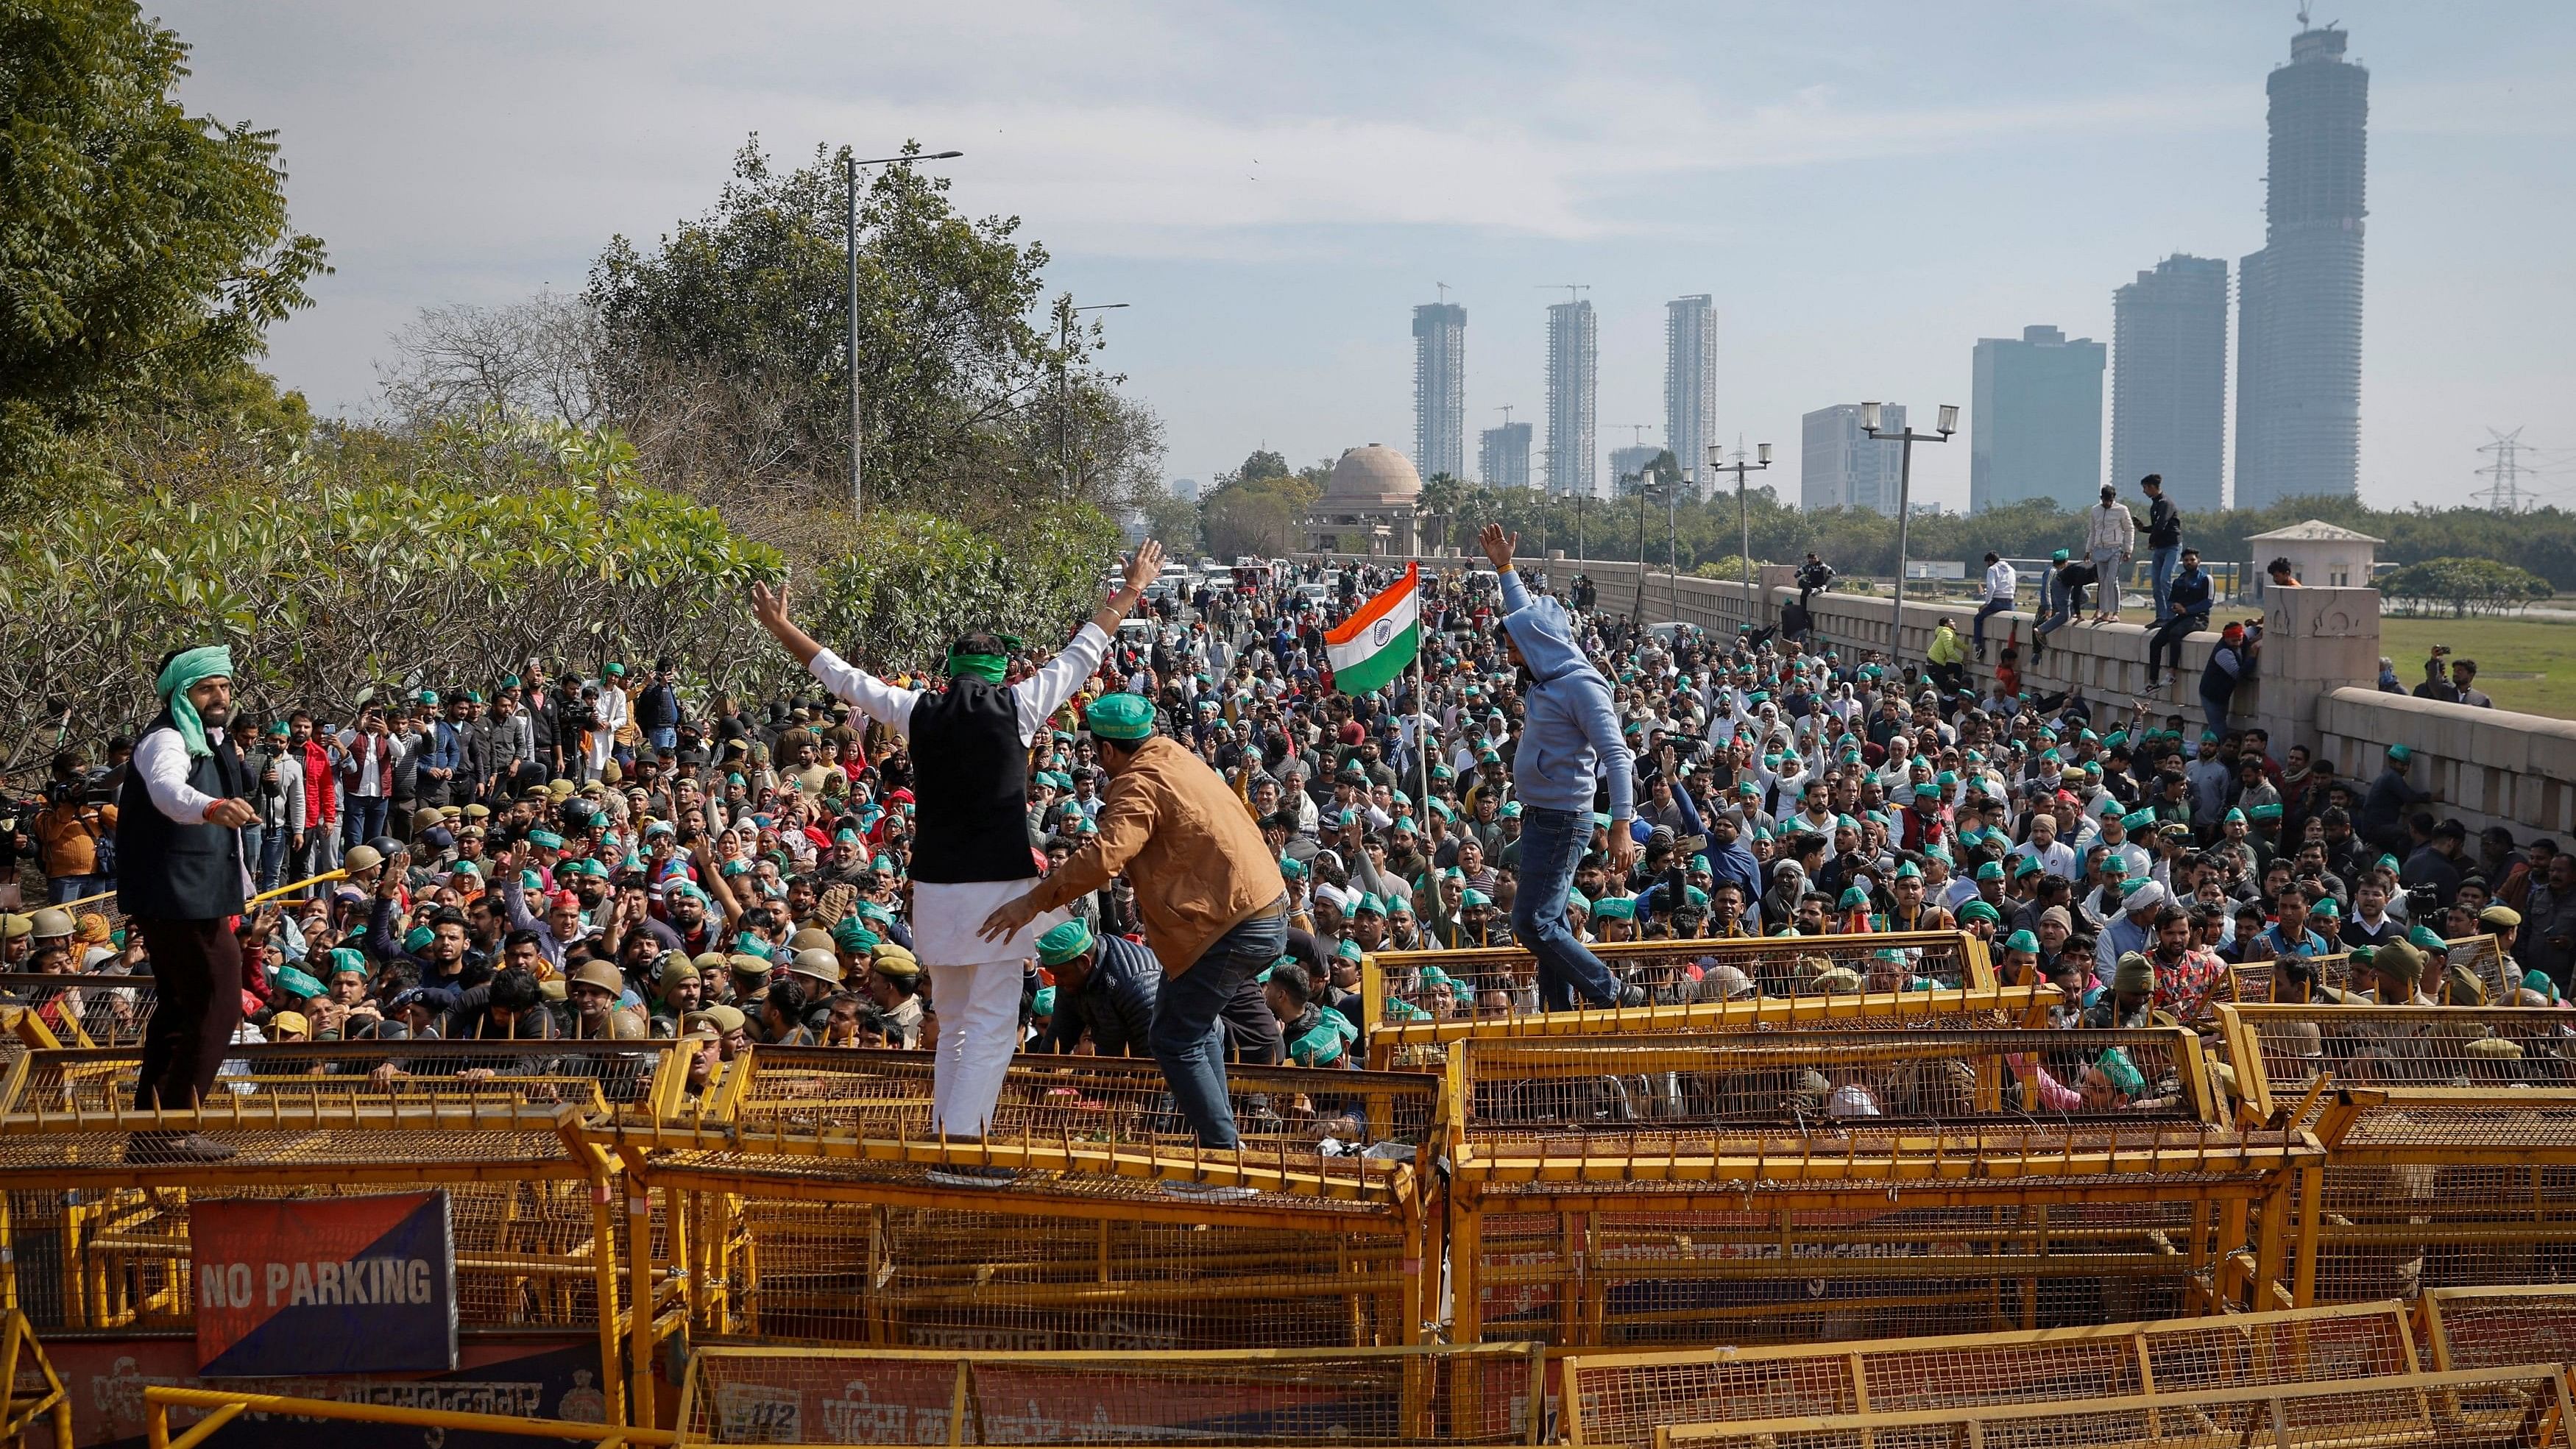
{"x":723,"y":351}
{"x":1174,"y":522}
{"x":143,"y":251}
{"x":2466,"y":585}
{"x":532,"y":359}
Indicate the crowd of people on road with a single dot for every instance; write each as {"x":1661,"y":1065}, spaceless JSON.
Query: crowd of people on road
{"x":1174,"y":836}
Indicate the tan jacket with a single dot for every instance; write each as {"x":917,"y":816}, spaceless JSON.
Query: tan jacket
{"x":1180,"y":835}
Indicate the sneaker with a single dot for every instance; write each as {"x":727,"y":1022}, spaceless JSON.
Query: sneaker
{"x":1981,"y":654}
{"x":1208,"y":1191}
{"x":973,"y":1176}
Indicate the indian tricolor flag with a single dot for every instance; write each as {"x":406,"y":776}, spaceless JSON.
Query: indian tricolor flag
{"x":1374,"y":645}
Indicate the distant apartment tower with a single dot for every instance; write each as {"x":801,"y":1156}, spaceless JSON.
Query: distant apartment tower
{"x":2035,"y":420}
{"x":1839,"y":466}
{"x":1503,"y":456}
{"x":1186,"y":489}
{"x":1573,"y":386}
{"x":1690,"y":381}
{"x":1629,"y":463}
{"x":2169,"y":381}
{"x":2298,"y":339}
{"x":1440,"y":389}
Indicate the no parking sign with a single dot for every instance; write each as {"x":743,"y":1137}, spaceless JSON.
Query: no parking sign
{"x":347,"y":1285}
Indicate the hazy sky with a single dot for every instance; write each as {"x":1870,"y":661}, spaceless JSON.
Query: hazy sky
{"x":1865,"y":188}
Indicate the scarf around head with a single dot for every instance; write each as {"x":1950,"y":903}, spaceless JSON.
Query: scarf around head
{"x":186,"y":670}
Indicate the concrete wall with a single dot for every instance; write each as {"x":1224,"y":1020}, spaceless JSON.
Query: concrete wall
{"x":2487,"y":766}
{"x":2312,"y":685}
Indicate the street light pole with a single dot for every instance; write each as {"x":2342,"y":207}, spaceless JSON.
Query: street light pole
{"x":1673,"y":549}
{"x":858,"y":425}
{"x":1064,"y":388}
{"x":1869,"y":420}
{"x":1743,"y":511}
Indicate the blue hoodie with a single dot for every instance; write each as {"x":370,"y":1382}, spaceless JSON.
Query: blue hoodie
{"x":1570,"y":736}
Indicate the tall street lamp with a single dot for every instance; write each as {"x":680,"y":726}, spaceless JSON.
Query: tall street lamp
{"x":1648,"y":491}
{"x":1673,"y":549}
{"x":1869,"y":420}
{"x":1064,"y":386}
{"x":858,"y":425}
{"x":1743,"y":516}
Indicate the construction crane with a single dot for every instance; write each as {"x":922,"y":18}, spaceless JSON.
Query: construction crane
{"x":1444,"y":292}
{"x":1573,"y":290}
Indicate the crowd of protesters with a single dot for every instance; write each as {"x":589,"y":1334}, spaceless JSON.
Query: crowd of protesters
{"x":611,"y":852}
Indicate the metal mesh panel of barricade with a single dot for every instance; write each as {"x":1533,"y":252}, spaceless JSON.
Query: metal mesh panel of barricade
{"x":777,"y":1263}
{"x":2507,"y":1409}
{"x":323,"y":1083}
{"x":1503,"y":981}
{"x":1603,"y":1095}
{"x":822,"y":1396}
{"x":1608,"y":1272}
{"x":1085,"y":1100}
{"x":2391,"y":1230}
{"x":85,"y":1009}
{"x":527,"y":1255}
{"x":2477,"y":1328}
{"x":1620,"y":1399}
{"x":2307,"y":1052}
{"x":1424,"y":1043}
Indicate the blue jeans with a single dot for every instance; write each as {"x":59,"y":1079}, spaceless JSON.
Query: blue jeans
{"x":665,"y":739}
{"x":362,"y":818}
{"x":1552,"y":845}
{"x":272,"y":856}
{"x":2214,"y":704}
{"x":61,"y":888}
{"x":1990,"y":606}
{"x":1185,"y":1037}
{"x":2167,"y":561}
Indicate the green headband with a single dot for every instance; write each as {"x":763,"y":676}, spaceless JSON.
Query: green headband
{"x":986,"y":667}
{"x":186,"y":670}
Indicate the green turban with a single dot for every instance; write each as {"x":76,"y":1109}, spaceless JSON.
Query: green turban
{"x":2122,"y":1073}
{"x":187,"y":669}
{"x":1123,"y":717}
{"x":1979,"y":911}
{"x":1063,"y":943}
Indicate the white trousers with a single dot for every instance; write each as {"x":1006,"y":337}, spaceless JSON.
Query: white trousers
{"x":979,"y":1028}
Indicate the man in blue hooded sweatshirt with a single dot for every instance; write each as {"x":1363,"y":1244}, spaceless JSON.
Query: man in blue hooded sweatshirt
{"x":1569,"y":738}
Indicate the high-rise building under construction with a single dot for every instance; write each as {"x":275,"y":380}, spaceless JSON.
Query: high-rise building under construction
{"x":1690,"y":381}
{"x":2298,"y":337}
{"x":1573,"y":389}
{"x":1440,"y":389}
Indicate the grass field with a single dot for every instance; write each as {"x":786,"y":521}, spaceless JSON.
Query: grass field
{"x":2501,"y":647}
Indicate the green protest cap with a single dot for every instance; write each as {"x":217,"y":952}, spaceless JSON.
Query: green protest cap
{"x":1908,"y":870}
{"x":2138,"y":819}
{"x":2026,"y":865}
{"x":1063,"y":943}
{"x":1349,"y":951}
{"x":545,"y":840}
{"x":2426,"y":938}
{"x":2058,"y":557}
{"x":1854,"y":896}
{"x":2265,"y":812}
{"x":2399,"y":754}
{"x":1368,"y":903}
{"x":1615,"y":908}
{"x":1475,"y":897}
{"x":296,"y":983}
{"x":1121,"y":717}
{"x":1990,"y":870}
{"x":2022,"y":941}
{"x":1578,"y":901}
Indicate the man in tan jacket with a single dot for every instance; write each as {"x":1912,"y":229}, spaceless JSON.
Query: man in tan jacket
{"x":1213,"y":901}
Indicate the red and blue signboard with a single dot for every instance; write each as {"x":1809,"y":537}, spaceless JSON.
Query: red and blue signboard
{"x":309,"y":1286}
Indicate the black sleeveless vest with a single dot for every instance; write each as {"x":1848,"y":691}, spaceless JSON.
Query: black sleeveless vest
{"x":169,"y":871}
{"x":971,"y":782}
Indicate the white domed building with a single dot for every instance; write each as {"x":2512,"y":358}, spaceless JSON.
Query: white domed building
{"x":1368,"y":506}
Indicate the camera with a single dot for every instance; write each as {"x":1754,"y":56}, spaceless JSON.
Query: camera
{"x":2422,"y":901}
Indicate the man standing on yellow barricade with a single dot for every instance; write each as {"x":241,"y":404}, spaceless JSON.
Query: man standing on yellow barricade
{"x":970,"y":756}
{"x":182,"y":876}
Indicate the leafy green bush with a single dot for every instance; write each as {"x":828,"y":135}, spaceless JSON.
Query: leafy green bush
{"x":2464,"y":586}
